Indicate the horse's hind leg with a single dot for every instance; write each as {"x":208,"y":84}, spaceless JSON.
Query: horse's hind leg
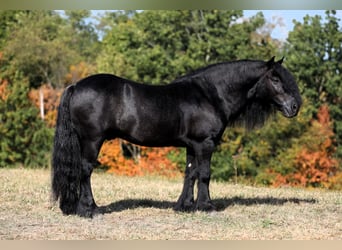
{"x":87,"y":206}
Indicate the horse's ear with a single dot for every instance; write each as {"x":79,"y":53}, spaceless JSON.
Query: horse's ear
{"x":270,"y":63}
{"x":281,"y":60}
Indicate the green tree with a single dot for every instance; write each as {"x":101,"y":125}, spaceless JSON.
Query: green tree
{"x":35,"y":47}
{"x":43,"y":44}
{"x":83,"y":36}
{"x":158,"y":46}
{"x":314,"y":55}
{"x":7,"y":18}
{"x":24,"y":137}
{"x":275,"y":152}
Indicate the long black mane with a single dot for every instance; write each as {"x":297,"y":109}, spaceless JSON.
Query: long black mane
{"x":236,"y":76}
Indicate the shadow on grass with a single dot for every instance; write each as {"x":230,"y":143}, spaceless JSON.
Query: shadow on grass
{"x":221,"y":204}
{"x":135,"y":203}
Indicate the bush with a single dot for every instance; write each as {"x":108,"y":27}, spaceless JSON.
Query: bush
{"x":24,"y":137}
{"x":151,"y":161}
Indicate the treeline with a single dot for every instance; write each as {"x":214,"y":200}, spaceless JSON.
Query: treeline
{"x":41,"y":52}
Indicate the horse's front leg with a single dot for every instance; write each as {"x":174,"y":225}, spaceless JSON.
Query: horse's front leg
{"x":186,"y":199}
{"x":203,"y":202}
{"x":203,"y":155}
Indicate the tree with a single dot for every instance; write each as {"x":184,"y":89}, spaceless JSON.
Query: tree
{"x":152,"y":161}
{"x":7,"y":19}
{"x":47,"y":100}
{"x":24,"y":137}
{"x":36,"y":49}
{"x":83,"y":36}
{"x":314,"y":55}
{"x":51,"y":44}
{"x":158,"y":46}
{"x":301,"y":151}
{"x":313,"y":162}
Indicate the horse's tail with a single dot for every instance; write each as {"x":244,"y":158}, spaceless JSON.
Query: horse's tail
{"x":66,"y":158}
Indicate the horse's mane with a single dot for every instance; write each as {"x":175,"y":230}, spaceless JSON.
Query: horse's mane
{"x":255,"y":113}
{"x":253,"y":116}
{"x":206,"y":70}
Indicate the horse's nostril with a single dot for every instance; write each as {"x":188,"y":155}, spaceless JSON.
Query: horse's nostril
{"x":294,"y":107}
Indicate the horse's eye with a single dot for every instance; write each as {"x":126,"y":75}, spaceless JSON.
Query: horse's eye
{"x":275,"y":80}
{"x":276,"y":83}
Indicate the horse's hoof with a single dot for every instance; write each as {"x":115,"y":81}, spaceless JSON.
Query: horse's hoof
{"x":88,"y":212}
{"x":205,"y":206}
{"x":184,"y":207}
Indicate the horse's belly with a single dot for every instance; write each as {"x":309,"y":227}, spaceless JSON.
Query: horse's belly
{"x":150,"y":133}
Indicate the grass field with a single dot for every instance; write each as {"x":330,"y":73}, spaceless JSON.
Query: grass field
{"x":141,"y":208}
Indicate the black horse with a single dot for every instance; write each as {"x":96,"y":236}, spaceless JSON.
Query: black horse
{"x":191,"y":112}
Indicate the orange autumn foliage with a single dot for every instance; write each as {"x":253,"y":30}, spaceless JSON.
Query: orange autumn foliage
{"x":51,"y":98}
{"x":3,"y":89}
{"x":315,"y":164}
{"x":153,"y":161}
{"x":79,"y":71}
{"x":52,"y":95}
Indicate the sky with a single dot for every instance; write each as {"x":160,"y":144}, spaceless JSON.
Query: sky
{"x":284,"y":18}
{"x":287,"y":17}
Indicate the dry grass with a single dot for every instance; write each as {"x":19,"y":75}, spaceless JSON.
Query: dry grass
{"x":141,"y":208}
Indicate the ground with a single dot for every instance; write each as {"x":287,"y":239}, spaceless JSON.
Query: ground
{"x":141,"y":208}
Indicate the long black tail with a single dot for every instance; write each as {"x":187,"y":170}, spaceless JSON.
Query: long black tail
{"x":66,"y":158}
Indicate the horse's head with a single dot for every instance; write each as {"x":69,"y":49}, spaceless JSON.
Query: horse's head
{"x":279,"y":87}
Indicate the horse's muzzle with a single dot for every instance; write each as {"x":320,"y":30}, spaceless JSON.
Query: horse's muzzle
{"x":289,"y":108}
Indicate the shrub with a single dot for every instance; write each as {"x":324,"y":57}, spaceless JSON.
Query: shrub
{"x":24,"y":137}
{"x":152,"y":161}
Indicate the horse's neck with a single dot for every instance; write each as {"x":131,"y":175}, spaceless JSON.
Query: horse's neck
{"x":233,"y":86}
